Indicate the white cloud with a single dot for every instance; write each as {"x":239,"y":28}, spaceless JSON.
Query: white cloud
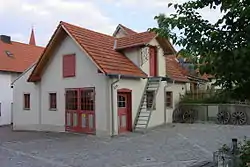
{"x":46,"y":14}
{"x":161,"y":6}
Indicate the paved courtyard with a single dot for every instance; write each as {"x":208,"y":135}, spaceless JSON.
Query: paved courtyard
{"x":176,"y":145}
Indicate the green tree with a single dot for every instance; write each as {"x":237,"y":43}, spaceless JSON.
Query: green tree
{"x":223,"y":46}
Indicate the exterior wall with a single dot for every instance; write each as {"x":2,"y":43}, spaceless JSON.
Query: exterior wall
{"x":25,"y":119}
{"x":161,"y":60}
{"x":120,"y":33}
{"x":210,"y":84}
{"x":86,"y":76}
{"x":5,"y":98}
{"x":135,"y":56}
{"x":14,"y":76}
{"x":177,"y":89}
{"x":137,"y":87}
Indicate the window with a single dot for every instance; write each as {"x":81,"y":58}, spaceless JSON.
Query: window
{"x":69,"y":65}
{"x":0,"y":110}
{"x":52,"y":101}
{"x":150,"y":97}
{"x":9,"y":53}
{"x":71,"y":99}
{"x":26,"y":105}
{"x":87,"y":99}
{"x":169,"y":99}
{"x":121,"y":101}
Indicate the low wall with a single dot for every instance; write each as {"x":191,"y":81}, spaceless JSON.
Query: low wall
{"x":214,"y":113}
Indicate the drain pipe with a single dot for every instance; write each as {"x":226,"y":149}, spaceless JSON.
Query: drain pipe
{"x":165,"y":107}
{"x":112,"y":105}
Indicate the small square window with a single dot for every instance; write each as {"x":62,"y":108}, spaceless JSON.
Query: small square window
{"x":150,"y":98}
{"x":52,"y":101}
{"x":169,"y":99}
{"x":26,"y":104}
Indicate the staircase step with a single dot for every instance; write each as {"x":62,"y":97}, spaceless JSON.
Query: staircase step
{"x":144,"y":116}
{"x":144,"y":112}
{"x":142,"y":120}
{"x":141,"y":124}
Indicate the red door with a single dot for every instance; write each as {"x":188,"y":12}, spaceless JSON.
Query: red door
{"x":80,"y":111}
{"x":124,"y":112}
{"x":153,"y":65}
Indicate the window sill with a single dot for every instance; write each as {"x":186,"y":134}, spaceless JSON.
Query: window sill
{"x":169,"y":107}
{"x":27,"y":109}
{"x":53,"y":109}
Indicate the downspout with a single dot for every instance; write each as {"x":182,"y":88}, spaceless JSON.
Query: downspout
{"x":112,"y":105}
{"x":165,"y":108}
{"x":39,"y":105}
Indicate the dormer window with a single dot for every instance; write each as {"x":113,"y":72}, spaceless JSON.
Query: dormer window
{"x":9,"y":54}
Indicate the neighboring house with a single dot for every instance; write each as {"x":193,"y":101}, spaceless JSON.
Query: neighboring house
{"x":89,"y":82}
{"x":15,"y":57}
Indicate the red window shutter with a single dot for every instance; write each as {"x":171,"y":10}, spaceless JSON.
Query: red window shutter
{"x":153,"y":62}
{"x":69,"y":65}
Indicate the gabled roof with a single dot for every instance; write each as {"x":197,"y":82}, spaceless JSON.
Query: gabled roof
{"x":17,"y":57}
{"x":138,"y":39}
{"x":125,"y":29}
{"x":99,"y":47}
{"x":174,"y":70}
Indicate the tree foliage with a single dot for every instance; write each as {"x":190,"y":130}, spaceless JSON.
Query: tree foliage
{"x":243,"y":152}
{"x":223,"y":46}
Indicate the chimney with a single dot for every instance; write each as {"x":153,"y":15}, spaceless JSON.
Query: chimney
{"x":32,"y":38}
{"x":5,"y":39}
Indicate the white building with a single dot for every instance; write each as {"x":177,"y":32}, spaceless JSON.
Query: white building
{"x":94,"y":83}
{"x":15,"y":57}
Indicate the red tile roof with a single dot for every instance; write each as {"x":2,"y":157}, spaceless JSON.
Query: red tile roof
{"x":100,"y":49}
{"x":207,"y":76}
{"x":22,"y":56}
{"x":137,"y":39}
{"x":174,"y":70}
{"x":127,"y":30}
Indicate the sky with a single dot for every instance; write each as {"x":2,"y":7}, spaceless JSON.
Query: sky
{"x":17,"y":17}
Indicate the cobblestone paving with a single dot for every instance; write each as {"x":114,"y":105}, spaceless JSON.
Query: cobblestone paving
{"x":177,"y":145}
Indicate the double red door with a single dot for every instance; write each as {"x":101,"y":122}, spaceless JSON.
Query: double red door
{"x":80,"y":110}
{"x":124,"y":112}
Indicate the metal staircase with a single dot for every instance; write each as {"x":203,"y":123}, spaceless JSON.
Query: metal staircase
{"x":143,"y":113}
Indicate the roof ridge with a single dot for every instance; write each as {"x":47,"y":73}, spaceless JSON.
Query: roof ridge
{"x":77,"y":26}
{"x":130,"y":36}
{"x":28,"y":44}
{"x":127,"y":28}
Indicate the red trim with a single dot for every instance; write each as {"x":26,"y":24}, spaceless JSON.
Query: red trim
{"x":153,"y":62}
{"x":124,"y":90}
{"x":81,"y":104}
{"x":52,"y":101}
{"x":128,"y":94}
{"x":69,"y":65}
{"x":26,"y":98}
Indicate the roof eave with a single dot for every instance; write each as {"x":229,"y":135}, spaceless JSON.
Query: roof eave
{"x":130,"y":46}
{"x":126,"y":76}
{"x":196,"y":78}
